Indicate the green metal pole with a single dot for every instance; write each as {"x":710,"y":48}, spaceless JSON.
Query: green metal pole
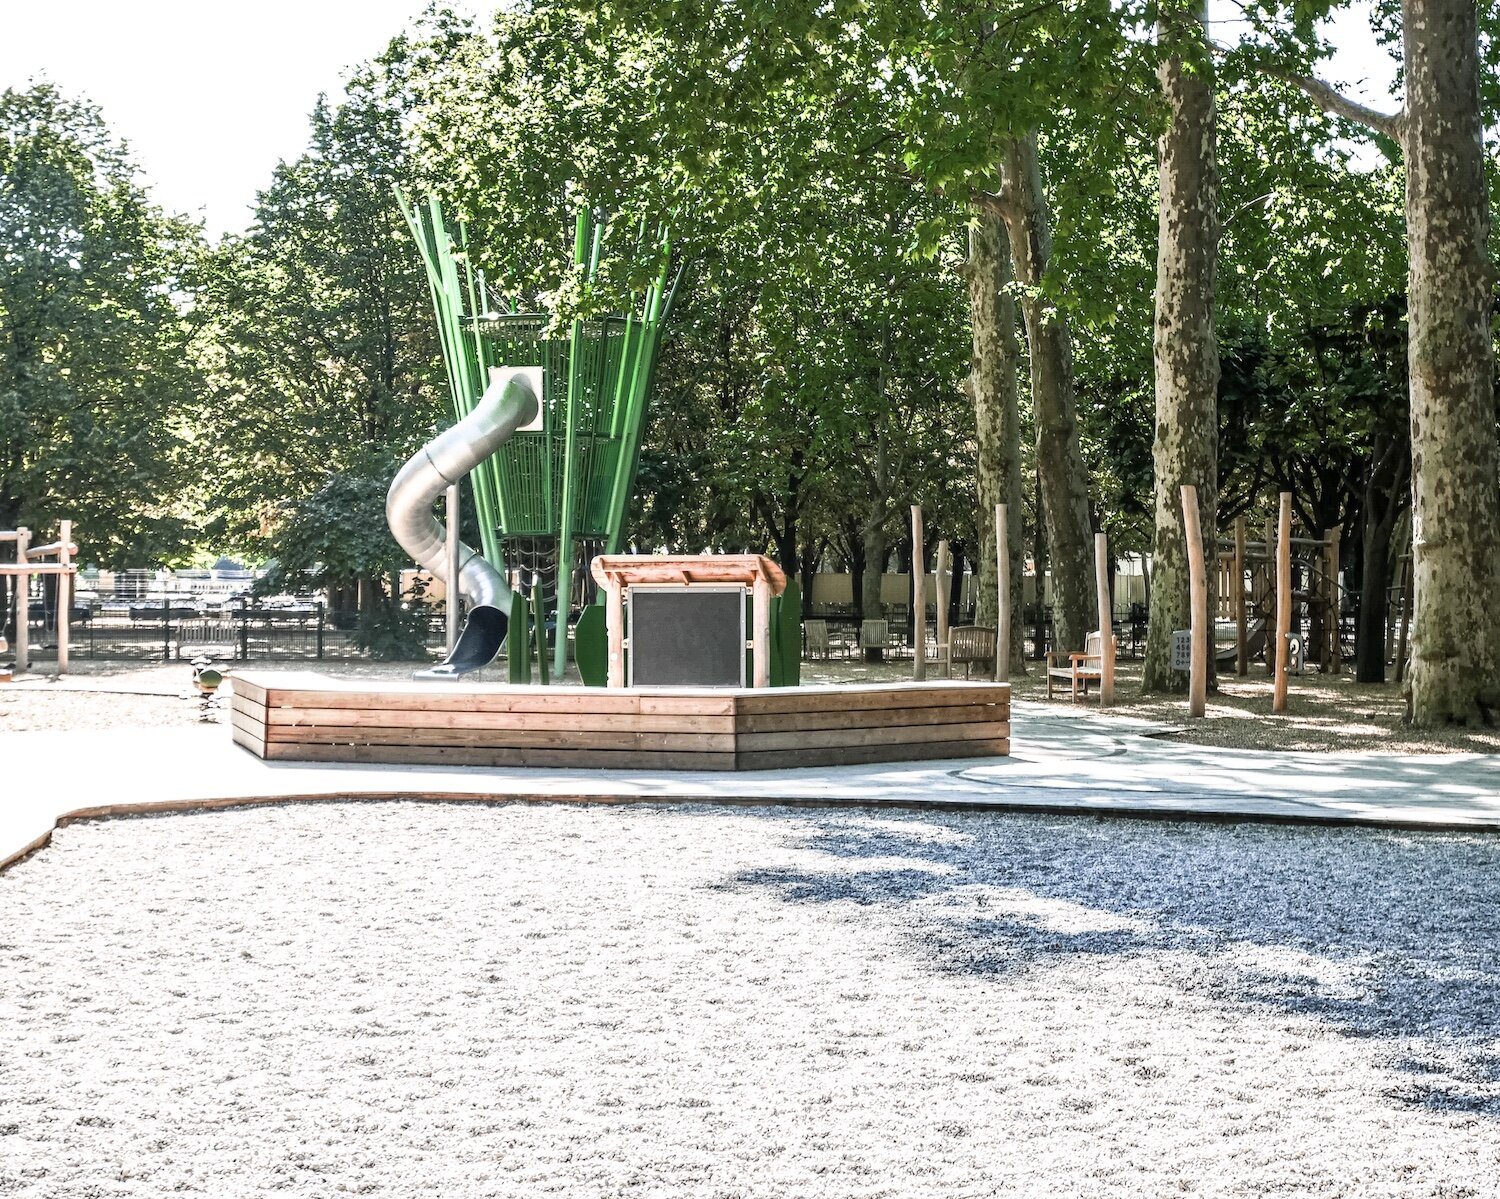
{"x":570,"y":469}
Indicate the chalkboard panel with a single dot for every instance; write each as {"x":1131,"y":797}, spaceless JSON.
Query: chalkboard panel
{"x":687,"y":636}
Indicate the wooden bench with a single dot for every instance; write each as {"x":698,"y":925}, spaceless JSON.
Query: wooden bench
{"x":971,"y":644}
{"x":1079,"y":669}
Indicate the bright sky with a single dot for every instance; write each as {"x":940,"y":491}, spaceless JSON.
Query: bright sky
{"x":212,"y":94}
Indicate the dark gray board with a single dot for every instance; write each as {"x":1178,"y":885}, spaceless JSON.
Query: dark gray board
{"x":687,"y":637}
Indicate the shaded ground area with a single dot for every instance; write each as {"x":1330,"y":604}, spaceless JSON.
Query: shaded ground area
{"x":518,"y":1000}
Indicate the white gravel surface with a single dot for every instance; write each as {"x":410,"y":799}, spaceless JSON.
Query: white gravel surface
{"x":474,"y":1000}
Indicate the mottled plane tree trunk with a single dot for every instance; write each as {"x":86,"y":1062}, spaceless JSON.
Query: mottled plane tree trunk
{"x":1455,"y":672}
{"x":1185,"y":448}
{"x":997,"y":422}
{"x":1455,"y":646}
{"x":1022,"y":204}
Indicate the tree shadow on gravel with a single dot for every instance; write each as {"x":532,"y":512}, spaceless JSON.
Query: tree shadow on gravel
{"x":1379,"y":934}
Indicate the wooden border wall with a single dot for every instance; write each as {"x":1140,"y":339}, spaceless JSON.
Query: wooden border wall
{"x":310,"y":718}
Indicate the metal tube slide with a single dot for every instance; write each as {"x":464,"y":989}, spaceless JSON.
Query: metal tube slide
{"x":511,"y":402}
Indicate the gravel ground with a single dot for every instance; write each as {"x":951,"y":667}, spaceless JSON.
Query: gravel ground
{"x":404,"y":999}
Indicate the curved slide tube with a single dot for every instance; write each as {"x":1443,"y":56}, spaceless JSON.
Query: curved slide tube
{"x":511,"y":402}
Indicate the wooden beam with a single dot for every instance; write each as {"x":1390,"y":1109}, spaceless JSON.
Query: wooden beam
{"x":23,"y":602}
{"x":1198,"y":594}
{"x":760,"y":611}
{"x":919,"y":598}
{"x":1002,"y":609}
{"x":941,"y":586}
{"x":614,"y":624}
{"x":1106,"y":621}
{"x":65,"y":551}
{"x":1237,"y":590}
{"x":1283,"y":603}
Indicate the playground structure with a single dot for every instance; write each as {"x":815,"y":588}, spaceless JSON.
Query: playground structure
{"x":1250,"y":607}
{"x":554,"y":491}
{"x":31,"y":561}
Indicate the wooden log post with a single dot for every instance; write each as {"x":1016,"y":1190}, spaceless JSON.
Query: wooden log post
{"x":1335,"y":651}
{"x":1283,"y":603}
{"x":614,"y":626}
{"x":450,"y":596}
{"x":23,"y":603}
{"x":919,"y":599}
{"x":1237,"y":590}
{"x":1198,"y":597}
{"x":1106,"y":621}
{"x":1002,"y":609}
{"x":64,"y":593}
{"x":1270,"y":595}
{"x":760,"y":612}
{"x":940,"y":584}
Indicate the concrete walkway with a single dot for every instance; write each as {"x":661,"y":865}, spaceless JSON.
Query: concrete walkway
{"x":1077,"y":762}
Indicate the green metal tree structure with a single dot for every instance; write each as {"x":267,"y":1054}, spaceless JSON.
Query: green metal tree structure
{"x":555,"y":495}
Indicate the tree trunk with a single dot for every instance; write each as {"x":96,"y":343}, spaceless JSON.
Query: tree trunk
{"x":1186,"y":353}
{"x":1455,"y":674}
{"x":1039,"y":557}
{"x":1064,"y":478}
{"x":873,"y":608}
{"x":997,"y":422}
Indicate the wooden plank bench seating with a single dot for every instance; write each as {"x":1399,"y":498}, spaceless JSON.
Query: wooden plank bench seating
{"x":972,"y":645}
{"x":1078,"y":669}
{"x":287,"y":716}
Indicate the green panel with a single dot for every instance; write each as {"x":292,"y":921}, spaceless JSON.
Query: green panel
{"x":786,"y":637}
{"x":518,"y":642}
{"x":591,"y":646}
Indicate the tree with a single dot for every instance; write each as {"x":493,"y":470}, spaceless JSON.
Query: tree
{"x":319,"y":329}
{"x":1455,"y":675}
{"x":1186,"y":351}
{"x":98,"y":390}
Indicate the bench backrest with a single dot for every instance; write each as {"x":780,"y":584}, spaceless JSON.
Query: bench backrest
{"x":872,"y":634}
{"x":816,"y":632}
{"x":971,"y":643}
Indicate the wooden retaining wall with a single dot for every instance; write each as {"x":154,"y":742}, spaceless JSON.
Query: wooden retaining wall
{"x":311,"y":718}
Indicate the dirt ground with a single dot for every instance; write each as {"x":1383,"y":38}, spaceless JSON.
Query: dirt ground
{"x":1326,"y":712}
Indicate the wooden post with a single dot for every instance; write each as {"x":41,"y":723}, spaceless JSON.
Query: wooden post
{"x":1335,"y":651}
{"x":450,"y":598}
{"x":1198,"y":595}
{"x":64,"y":593}
{"x":760,"y":611}
{"x":919,"y":599}
{"x":1283,"y":602}
{"x":23,"y":604}
{"x":1270,"y":596}
{"x":1002,"y":609}
{"x":1237,"y":590}
{"x":614,"y":625}
{"x":941,"y":583}
{"x":1106,"y":621}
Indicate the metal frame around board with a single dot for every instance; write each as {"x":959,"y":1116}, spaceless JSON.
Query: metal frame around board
{"x":696,"y":589}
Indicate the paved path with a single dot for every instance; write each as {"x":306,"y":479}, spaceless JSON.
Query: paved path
{"x":1072,"y":762}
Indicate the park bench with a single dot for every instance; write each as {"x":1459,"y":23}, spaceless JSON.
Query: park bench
{"x":971,"y":644}
{"x":815,"y":632}
{"x":1080,"y":669}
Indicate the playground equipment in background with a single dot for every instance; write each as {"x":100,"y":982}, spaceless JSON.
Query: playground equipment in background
{"x":1315,"y":590}
{"x":510,"y":402}
{"x":556,"y":492}
{"x":33,"y":560}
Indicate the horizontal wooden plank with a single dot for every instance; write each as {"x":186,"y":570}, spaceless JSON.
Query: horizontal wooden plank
{"x":248,"y":723}
{"x":777,"y":722}
{"x":248,"y":741}
{"x":247,"y":688}
{"x":435,"y":755}
{"x":440,"y":697}
{"x":513,"y":738}
{"x":839,"y":699}
{"x":629,"y":722}
{"x":898,"y":735}
{"x":848,"y":755}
